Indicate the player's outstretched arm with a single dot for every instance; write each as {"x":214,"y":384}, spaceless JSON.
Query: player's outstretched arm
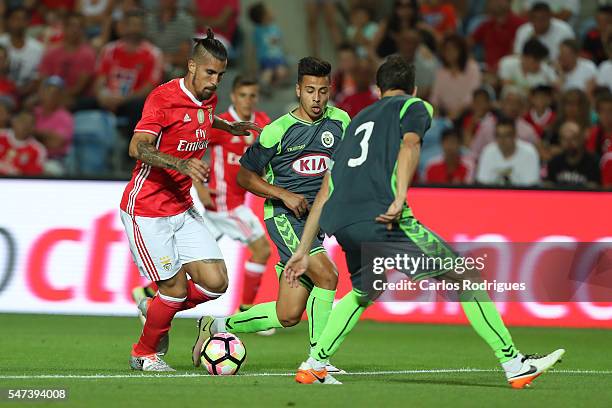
{"x":407,"y":160}
{"x":298,"y":263}
{"x":236,"y":128}
{"x":251,"y":181}
{"x":142,"y":147}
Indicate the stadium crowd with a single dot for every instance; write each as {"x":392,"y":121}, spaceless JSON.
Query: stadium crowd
{"x":522,"y":89}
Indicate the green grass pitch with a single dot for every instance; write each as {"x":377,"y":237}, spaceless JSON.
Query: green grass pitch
{"x":89,"y":355}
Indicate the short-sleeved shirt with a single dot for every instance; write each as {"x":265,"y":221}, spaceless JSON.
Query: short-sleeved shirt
{"x":363,"y":176}
{"x":295,"y":155}
{"x":69,"y":64}
{"x":127,"y":71}
{"x":23,"y":157}
{"x":181,"y":124}
{"x":24,"y":60}
{"x":60,"y":122}
{"x":497,"y":38}
{"x":561,"y":172}
{"x":226,"y":151}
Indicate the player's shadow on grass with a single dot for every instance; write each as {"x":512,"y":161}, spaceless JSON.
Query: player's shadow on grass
{"x":446,"y":382}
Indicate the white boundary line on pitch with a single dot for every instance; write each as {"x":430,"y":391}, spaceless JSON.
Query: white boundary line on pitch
{"x":362,"y":373}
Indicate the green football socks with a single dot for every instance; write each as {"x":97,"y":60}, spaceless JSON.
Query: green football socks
{"x":318,"y":309}
{"x":487,"y":322}
{"x":257,"y":318}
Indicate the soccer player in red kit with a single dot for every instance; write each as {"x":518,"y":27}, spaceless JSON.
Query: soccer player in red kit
{"x":168,"y":240}
{"x":223,"y":199}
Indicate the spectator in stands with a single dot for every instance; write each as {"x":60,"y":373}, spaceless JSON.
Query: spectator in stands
{"x":171,"y":30}
{"x":496,"y":33}
{"x":574,"y":106}
{"x":20,"y":153}
{"x":73,"y":60}
{"x":542,"y":25}
{"x":8,"y":90}
{"x":221,"y":16}
{"x":566,"y":10}
{"x":54,"y":125}
{"x":6,"y":110}
{"x":574,"y":166}
{"x":362,"y":29}
{"x":409,"y":46}
{"x":364,"y":94}
{"x":128,"y":70}
{"x":529,"y":69}
{"x":457,"y":78}
{"x":508,"y":160}
{"x":600,"y":136}
{"x":268,"y":46}
{"x":25,"y":53}
{"x":111,"y":27}
{"x":404,"y":14}
{"x":513,"y":105}
{"x":604,"y":71}
{"x":314,"y":10}
{"x":593,"y":43}
{"x":540,"y":115}
{"x":451,"y":167}
{"x":343,"y":82}
{"x":440,"y":15}
{"x":480,"y":110}
{"x":575,"y":71}
{"x":95,"y":12}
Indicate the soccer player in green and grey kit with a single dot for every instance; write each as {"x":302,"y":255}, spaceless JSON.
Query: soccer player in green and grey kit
{"x":294,"y":153}
{"x":381,"y":148}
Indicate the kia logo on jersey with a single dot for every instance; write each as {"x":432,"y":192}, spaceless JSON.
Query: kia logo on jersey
{"x":311,"y":164}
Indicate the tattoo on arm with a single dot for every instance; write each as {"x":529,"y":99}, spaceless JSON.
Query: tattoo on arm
{"x":149,"y":154}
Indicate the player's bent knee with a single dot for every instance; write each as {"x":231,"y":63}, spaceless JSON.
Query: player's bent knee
{"x":288,"y":320}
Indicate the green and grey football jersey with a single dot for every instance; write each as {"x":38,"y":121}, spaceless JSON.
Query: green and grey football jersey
{"x":363,"y":175}
{"x":295,"y":155}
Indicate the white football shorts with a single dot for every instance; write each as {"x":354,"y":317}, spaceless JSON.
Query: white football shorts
{"x":161,"y":245}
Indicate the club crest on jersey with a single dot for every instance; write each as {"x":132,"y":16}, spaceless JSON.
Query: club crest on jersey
{"x":327,"y":139}
{"x":166,"y":262}
{"x":311,"y":164}
{"x":200,"y":116}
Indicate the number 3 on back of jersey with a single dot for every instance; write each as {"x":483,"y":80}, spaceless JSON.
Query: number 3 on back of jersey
{"x":367,"y":128}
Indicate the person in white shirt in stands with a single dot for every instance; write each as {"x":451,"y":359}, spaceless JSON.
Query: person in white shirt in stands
{"x":604,"y":72}
{"x":543,"y":26}
{"x":574,"y":71}
{"x":529,"y":69}
{"x":508,"y":160}
{"x":25,"y":53}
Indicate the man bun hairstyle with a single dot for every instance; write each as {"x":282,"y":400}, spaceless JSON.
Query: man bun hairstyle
{"x":210,"y":45}
{"x":314,"y":67}
{"x":396,"y":73}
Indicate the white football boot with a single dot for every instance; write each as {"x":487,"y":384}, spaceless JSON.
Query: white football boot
{"x":152,"y":362}
{"x":531,"y":367}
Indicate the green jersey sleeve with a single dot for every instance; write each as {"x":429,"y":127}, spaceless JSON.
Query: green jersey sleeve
{"x":259,"y":154}
{"x":415,"y":117}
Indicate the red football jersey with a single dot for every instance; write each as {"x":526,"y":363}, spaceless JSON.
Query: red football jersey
{"x":226,"y":151}
{"x":181,"y":124}
{"x":20,"y":156}
{"x":129,"y":70}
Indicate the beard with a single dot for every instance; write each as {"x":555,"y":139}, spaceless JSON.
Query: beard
{"x":204,"y":93}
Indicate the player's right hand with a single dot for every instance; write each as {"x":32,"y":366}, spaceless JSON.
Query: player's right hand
{"x":296,"y":203}
{"x":194,"y":168}
{"x":296,"y":267}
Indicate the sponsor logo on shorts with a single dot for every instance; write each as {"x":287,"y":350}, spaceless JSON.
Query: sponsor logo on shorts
{"x":311,"y":164}
{"x":327,"y":138}
{"x":166,"y":262}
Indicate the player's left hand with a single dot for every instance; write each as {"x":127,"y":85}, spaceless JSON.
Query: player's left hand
{"x":242,"y":128}
{"x":392,"y":215}
{"x":296,"y":267}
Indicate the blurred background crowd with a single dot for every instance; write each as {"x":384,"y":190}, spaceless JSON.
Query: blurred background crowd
{"x":522,"y":89}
